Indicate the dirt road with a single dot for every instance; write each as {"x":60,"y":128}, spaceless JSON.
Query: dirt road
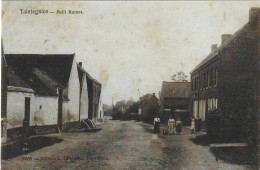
{"x":119,"y":145}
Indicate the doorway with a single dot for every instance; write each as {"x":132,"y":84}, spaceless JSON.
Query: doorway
{"x":60,"y":109}
{"x":26,"y":122}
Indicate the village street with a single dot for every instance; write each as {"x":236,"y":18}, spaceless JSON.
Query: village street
{"x":119,"y":145}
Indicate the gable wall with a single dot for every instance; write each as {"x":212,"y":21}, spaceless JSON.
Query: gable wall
{"x":84,"y":99}
{"x":71,"y":114}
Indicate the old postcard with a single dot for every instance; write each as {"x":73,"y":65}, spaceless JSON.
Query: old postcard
{"x":143,"y":85}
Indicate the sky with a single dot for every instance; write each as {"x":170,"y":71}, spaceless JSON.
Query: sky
{"x":127,"y":46}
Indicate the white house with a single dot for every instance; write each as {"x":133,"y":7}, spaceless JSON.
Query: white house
{"x":46,"y":93}
{"x":43,"y":90}
{"x":35,"y":101}
{"x":84,"y":101}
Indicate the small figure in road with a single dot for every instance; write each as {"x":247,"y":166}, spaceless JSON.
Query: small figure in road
{"x":171,"y":126}
{"x":156,"y":125}
{"x":178,"y":126}
{"x":192,"y":127}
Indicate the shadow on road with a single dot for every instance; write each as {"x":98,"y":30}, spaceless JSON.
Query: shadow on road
{"x":233,"y":155}
{"x":203,"y":140}
{"x":92,"y":130}
{"x":16,"y":149}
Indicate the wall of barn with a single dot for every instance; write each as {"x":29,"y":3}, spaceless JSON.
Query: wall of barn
{"x":72,"y":112}
{"x":64,"y":111}
{"x":16,"y":108}
{"x":100,"y":109}
{"x":44,"y":111}
{"x":84,"y":99}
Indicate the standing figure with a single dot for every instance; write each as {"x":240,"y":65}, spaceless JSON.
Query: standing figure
{"x":178,"y":126}
{"x":156,"y":125}
{"x":171,"y":126}
{"x":192,"y":127}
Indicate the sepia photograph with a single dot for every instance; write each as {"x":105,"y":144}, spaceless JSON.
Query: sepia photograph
{"x":138,"y":85}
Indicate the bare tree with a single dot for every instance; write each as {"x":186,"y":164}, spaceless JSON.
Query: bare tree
{"x":180,"y":76}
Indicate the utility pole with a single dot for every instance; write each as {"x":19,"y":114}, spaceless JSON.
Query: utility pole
{"x":112,"y":106}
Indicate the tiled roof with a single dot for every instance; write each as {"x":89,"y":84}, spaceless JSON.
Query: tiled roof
{"x":176,"y":89}
{"x":149,"y":98}
{"x":42,"y":73}
{"x":81,"y":70}
{"x":58,"y":66}
{"x":38,"y":83}
{"x":233,"y":38}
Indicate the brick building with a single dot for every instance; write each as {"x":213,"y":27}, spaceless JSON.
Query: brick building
{"x":175,"y":101}
{"x":227,"y":81}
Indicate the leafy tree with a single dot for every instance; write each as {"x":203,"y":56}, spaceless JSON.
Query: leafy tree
{"x":180,"y":76}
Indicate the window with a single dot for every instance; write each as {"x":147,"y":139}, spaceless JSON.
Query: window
{"x":201,"y":81}
{"x":211,"y":77}
{"x":216,"y":75}
{"x":208,"y":78}
{"x":205,"y":80}
{"x":192,"y":88}
{"x":195,"y":83}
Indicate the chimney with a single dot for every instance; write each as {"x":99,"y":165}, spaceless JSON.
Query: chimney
{"x":214,"y":47}
{"x":80,"y":63}
{"x":254,"y":15}
{"x":225,"y":37}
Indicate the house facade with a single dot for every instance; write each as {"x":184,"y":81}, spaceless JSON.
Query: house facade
{"x":175,"y":101}
{"x":204,"y":84}
{"x":227,"y":81}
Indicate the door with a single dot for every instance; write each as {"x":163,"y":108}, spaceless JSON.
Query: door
{"x":60,"y":109}
{"x":27,"y":112}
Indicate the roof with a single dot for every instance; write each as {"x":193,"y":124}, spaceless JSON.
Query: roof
{"x":38,"y":82}
{"x":47,"y":82}
{"x":42,"y":73}
{"x":149,"y":98}
{"x":20,"y":89}
{"x":14,"y":80}
{"x":176,"y":89}
{"x":245,"y":30}
{"x":81,"y":70}
{"x":58,"y":66}
{"x":97,"y":82}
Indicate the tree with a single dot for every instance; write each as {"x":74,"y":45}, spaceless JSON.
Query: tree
{"x":180,"y":76}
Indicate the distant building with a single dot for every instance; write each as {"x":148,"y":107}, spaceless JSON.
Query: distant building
{"x":175,"y":101}
{"x":228,"y":80}
{"x":149,"y":107}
